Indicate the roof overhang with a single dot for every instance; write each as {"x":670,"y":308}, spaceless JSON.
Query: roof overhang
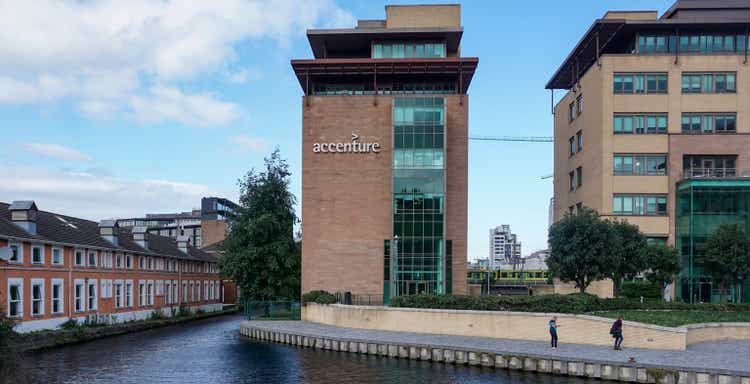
{"x":464,"y":67}
{"x":359,"y":39}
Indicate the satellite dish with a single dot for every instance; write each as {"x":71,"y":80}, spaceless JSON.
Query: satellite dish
{"x":5,"y":253}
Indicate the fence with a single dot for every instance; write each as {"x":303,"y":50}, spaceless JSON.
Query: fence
{"x":349,"y":298}
{"x":272,"y":310}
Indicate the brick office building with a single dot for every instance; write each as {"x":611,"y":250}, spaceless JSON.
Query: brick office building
{"x":384,"y":155}
{"x":55,"y":267}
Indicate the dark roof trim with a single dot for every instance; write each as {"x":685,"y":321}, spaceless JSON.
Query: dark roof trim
{"x":704,"y":5}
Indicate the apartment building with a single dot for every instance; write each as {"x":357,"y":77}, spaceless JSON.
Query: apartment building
{"x":55,"y":267}
{"x":384,"y":155}
{"x":655,"y":127}
{"x":504,"y":246}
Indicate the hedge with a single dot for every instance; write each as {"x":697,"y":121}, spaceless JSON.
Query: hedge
{"x":572,"y":303}
{"x":320,"y":297}
{"x":638,"y":289}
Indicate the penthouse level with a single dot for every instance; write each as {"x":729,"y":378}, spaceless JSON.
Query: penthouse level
{"x":56,"y":267}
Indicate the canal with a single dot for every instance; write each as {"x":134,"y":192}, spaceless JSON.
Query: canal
{"x":212,"y":351}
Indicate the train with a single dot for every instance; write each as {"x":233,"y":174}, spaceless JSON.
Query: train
{"x":540,"y":276}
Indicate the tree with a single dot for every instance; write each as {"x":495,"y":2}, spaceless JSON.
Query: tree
{"x":578,"y":248}
{"x":727,"y":257}
{"x":663,"y":264}
{"x":260,"y":251}
{"x":626,"y":253}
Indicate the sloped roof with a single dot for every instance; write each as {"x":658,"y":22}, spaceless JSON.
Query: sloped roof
{"x":57,"y":228}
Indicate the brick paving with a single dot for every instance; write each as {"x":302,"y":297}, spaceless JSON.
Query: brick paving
{"x":731,"y":357}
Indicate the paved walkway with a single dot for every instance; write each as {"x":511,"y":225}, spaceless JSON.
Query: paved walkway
{"x":731,"y":357}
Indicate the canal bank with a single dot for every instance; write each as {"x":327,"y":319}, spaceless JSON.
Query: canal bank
{"x":706,"y":363}
{"x":35,"y":341}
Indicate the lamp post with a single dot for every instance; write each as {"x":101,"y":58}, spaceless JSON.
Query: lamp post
{"x":394,"y":293}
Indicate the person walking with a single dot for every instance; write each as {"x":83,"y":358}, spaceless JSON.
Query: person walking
{"x":553,"y":332}
{"x":616,"y":332}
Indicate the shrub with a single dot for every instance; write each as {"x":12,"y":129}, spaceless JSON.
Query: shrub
{"x":157,"y":315}
{"x":638,"y":289}
{"x":184,"y":311}
{"x":573,"y":303}
{"x":319,"y":297}
{"x":71,"y":323}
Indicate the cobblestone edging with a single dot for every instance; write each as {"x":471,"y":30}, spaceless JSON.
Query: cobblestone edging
{"x":624,"y":372}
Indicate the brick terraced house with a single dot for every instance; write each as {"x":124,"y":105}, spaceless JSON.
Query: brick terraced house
{"x":55,"y":267}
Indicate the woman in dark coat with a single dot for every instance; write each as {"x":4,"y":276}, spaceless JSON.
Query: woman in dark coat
{"x":616,"y":332}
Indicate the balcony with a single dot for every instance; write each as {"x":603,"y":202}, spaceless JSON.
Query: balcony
{"x":715,"y":173}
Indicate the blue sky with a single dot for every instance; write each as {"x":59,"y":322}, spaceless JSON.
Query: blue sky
{"x":111,"y":108}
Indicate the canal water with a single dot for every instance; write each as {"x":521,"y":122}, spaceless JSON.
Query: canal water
{"x":211,"y":351}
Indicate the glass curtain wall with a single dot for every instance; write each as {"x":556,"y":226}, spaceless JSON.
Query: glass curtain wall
{"x":418,"y":196}
{"x":702,"y":206}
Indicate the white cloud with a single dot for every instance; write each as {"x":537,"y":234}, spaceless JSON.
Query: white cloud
{"x":103,"y":53}
{"x":170,"y":104}
{"x":92,"y":196}
{"x":252,"y":144}
{"x":243,"y":76}
{"x":56,"y":151}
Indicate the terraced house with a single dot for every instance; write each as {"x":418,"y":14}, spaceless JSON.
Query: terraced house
{"x":655,"y":127}
{"x":55,"y":267}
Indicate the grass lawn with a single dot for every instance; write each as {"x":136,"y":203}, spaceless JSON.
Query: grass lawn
{"x":676,"y":318}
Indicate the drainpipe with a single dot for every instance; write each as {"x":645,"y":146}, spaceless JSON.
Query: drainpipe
{"x":70,"y":283}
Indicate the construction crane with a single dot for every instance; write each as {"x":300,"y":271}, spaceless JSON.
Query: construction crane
{"x":529,"y":139}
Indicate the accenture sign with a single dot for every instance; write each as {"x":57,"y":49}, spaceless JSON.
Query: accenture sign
{"x":355,"y":146}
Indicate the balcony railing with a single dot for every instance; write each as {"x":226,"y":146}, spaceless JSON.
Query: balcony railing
{"x":715,"y":173}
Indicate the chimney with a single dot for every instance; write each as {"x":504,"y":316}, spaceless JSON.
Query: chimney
{"x":109,"y":230}
{"x":182,"y":243}
{"x":140,"y":236}
{"x":23,"y":214}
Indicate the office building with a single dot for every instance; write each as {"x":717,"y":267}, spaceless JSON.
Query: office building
{"x":384,"y":155}
{"x":654,"y":127}
{"x":504,"y":246}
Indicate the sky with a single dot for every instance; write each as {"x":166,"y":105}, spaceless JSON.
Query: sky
{"x":115,"y":108}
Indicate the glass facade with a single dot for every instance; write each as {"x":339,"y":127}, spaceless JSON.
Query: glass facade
{"x":418,"y":254}
{"x":698,"y":43}
{"x":702,"y":206}
{"x":408,"y":50}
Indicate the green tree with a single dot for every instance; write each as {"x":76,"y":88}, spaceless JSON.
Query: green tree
{"x":662,"y":263}
{"x":260,"y":251}
{"x":625,"y":257}
{"x":578,"y":248}
{"x":727,"y":257}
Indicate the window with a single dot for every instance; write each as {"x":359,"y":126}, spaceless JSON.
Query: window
{"x":571,"y":147}
{"x":579,"y":105}
{"x":174,"y":291}
{"x":184,"y":292}
{"x":118,"y":294}
{"x":79,"y":303}
{"x":37,"y":254}
{"x":141,"y":262}
{"x":656,"y":240}
{"x":129,"y":261}
{"x":151,"y":263}
{"x":652,"y":44}
{"x":640,"y":205}
{"x":92,"y":258}
{"x":406,"y":50}
{"x":707,"y":123}
{"x":722,"y":82}
{"x":141,"y":293}
{"x":57,"y":256}
{"x":37,"y":297}
{"x":709,"y":166}
{"x":16,"y":255}
{"x":572,"y":180}
{"x":106,"y":292}
{"x":651,"y":165}
{"x":579,"y":141}
{"x":79,"y":257}
{"x":58,"y":300}
{"x":92,"y":294}
{"x":150,"y":293}
{"x":571,"y":111}
{"x":15,"y":297}
{"x":640,"y":123}
{"x":579,"y":177}
{"x":640,"y":83}
{"x":168,"y":292}
{"x":118,"y":260}
{"x":129,"y":293}
{"x":205,"y":290}
{"x":160,"y":288}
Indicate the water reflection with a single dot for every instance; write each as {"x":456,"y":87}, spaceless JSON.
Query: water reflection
{"x":212,"y":351}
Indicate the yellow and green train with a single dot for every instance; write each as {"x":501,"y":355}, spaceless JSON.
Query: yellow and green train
{"x":508,"y":275}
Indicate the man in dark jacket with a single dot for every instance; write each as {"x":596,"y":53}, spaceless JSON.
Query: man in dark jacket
{"x":616,"y":332}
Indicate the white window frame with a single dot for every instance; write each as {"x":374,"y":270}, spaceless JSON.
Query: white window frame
{"x":37,"y":283}
{"x":17,"y":282}
{"x":118,"y":260}
{"x":88,"y":258}
{"x":95,"y":297}
{"x":79,"y":301}
{"x":83,"y":257}
{"x":141,"y":293}
{"x":19,"y":252}
{"x":40,"y":247}
{"x":168,"y":292}
{"x":184,"y":296}
{"x":141,"y":262}
{"x":150,"y":292}
{"x":62,"y":256}
{"x":175,"y":291}
{"x":119,"y":294}
{"x":128,"y":300}
{"x":128,"y":261}
{"x":61,"y":300}
{"x":205,"y":290}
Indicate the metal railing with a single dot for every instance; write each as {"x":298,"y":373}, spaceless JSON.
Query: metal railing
{"x":715,"y":173}
{"x":349,"y":298}
{"x":272,"y":310}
